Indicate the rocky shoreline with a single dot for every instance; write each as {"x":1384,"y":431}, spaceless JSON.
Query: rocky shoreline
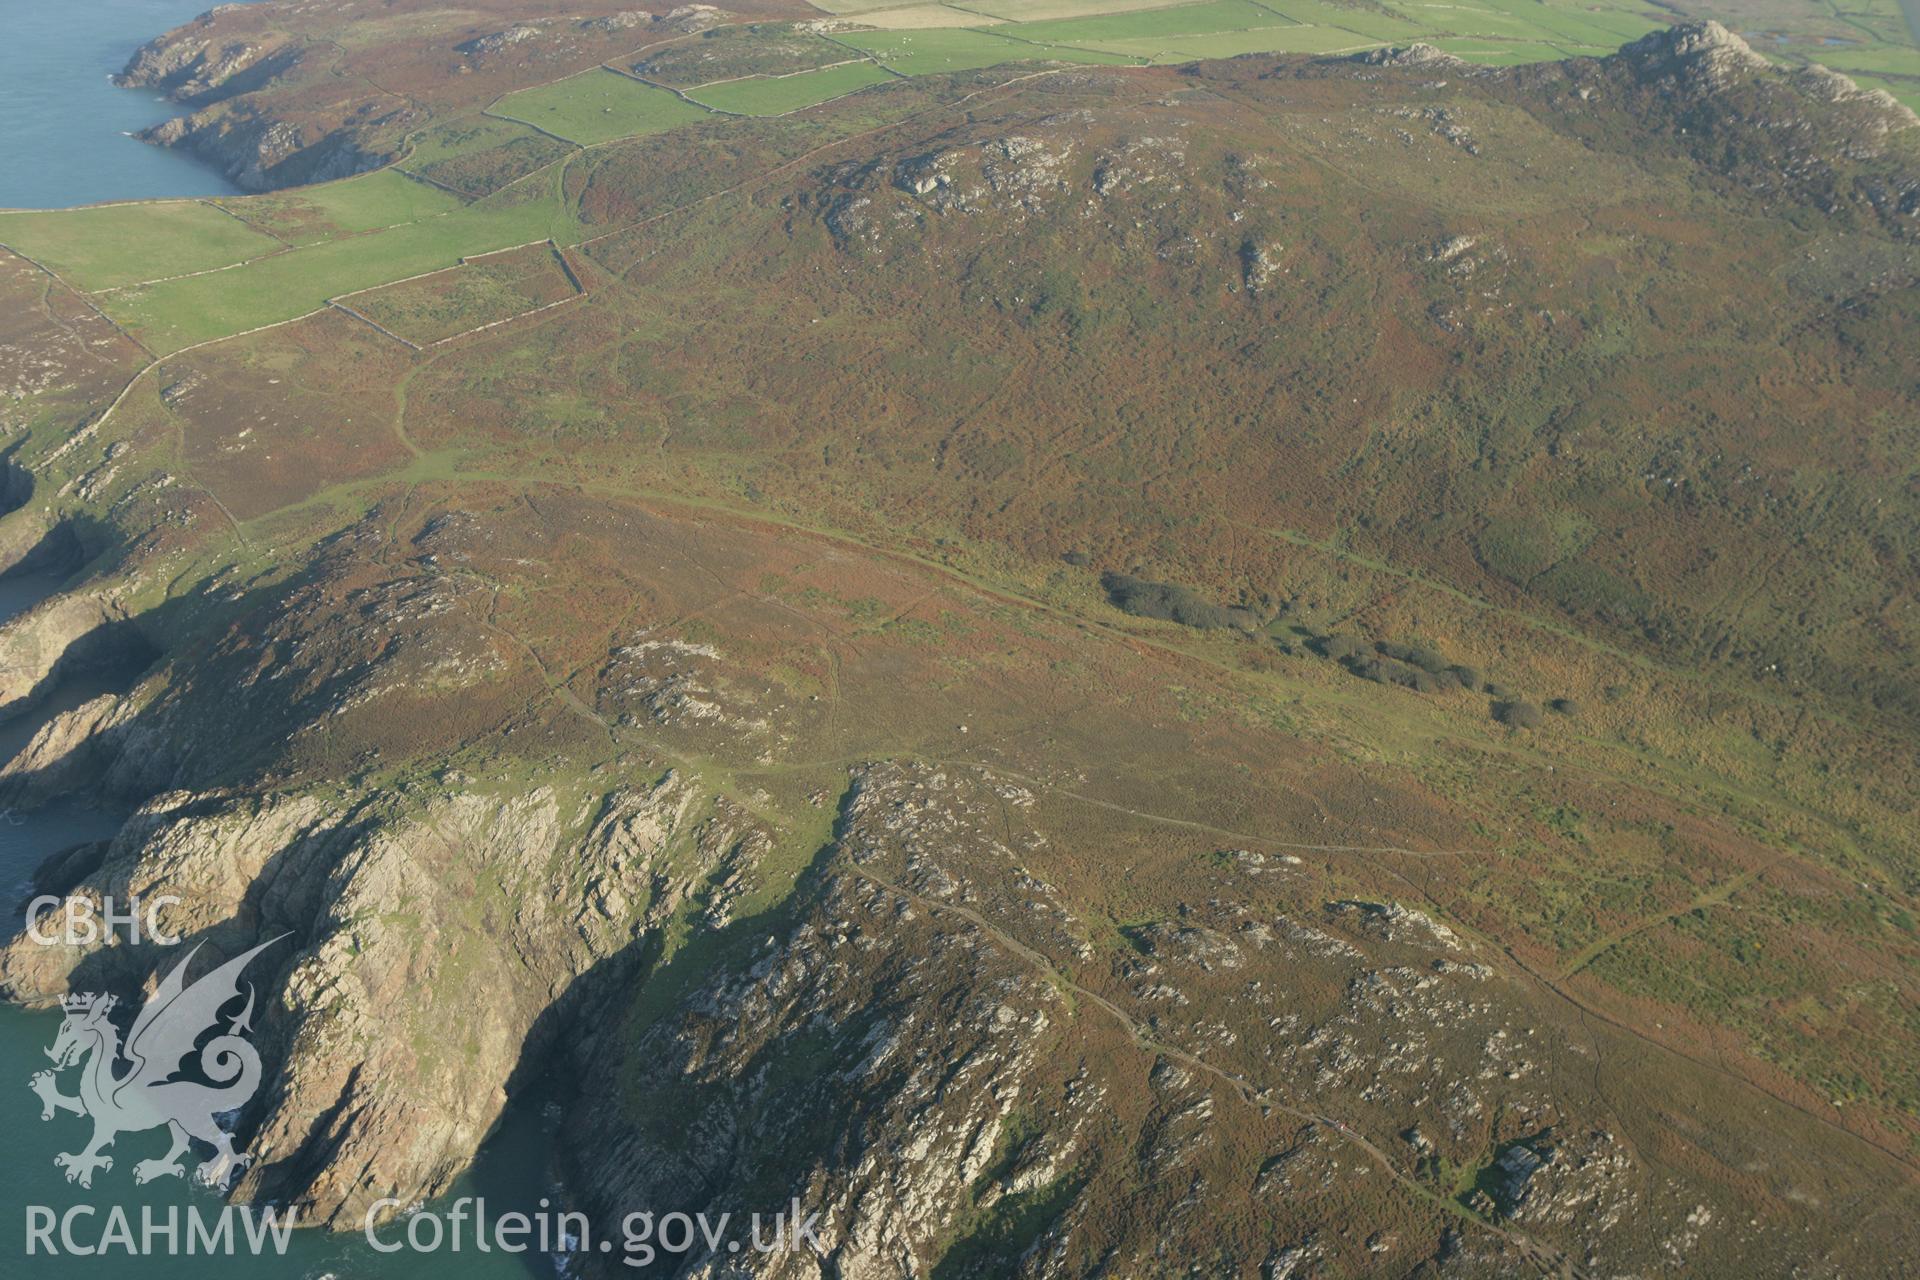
{"x":202,"y":68}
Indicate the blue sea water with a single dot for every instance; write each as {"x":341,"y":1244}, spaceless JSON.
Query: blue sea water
{"x":64,"y":125}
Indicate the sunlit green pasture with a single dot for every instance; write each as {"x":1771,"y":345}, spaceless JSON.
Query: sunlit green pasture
{"x":597,"y":106}
{"x":180,"y":313}
{"x":369,"y":202}
{"x":107,"y":246}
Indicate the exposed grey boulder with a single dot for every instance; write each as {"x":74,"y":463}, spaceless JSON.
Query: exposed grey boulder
{"x":1414,"y":55}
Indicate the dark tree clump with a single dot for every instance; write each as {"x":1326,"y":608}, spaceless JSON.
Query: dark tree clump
{"x":1390,"y":671}
{"x":1339,"y":647}
{"x":1172,"y":603}
{"x":1519,"y":715}
{"x":1428,"y":660}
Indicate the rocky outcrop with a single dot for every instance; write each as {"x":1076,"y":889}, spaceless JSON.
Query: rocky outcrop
{"x":1705,"y":54}
{"x":101,"y":747}
{"x":269,"y":116}
{"x":21,"y":534}
{"x":626,"y":20}
{"x":1698,"y":92}
{"x":1831,"y":86}
{"x":61,"y":635}
{"x":1413,"y":55}
{"x":914,"y":1046}
{"x":34,"y":542}
{"x":934,"y":1094}
{"x":688,"y":19}
{"x":219,"y":64}
{"x":197,"y":63}
{"x":16,"y":486}
{"x":258,"y":153}
{"x":206,"y":850}
{"x":1704,"y":58}
{"x":431,"y":951}
{"x":482,"y":46}
{"x":553,"y":35}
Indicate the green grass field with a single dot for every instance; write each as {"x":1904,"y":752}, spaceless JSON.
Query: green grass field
{"x":1604,"y":28}
{"x":777,"y":95}
{"x":180,"y":313}
{"x":597,"y":106}
{"x":1473,"y":20}
{"x":931,"y":52}
{"x":1210,"y":18}
{"x":1039,"y":10}
{"x":115,"y":245}
{"x":371,"y":201}
{"x":1231,"y":44}
{"x":1371,"y":24}
{"x":1529,"y":23}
